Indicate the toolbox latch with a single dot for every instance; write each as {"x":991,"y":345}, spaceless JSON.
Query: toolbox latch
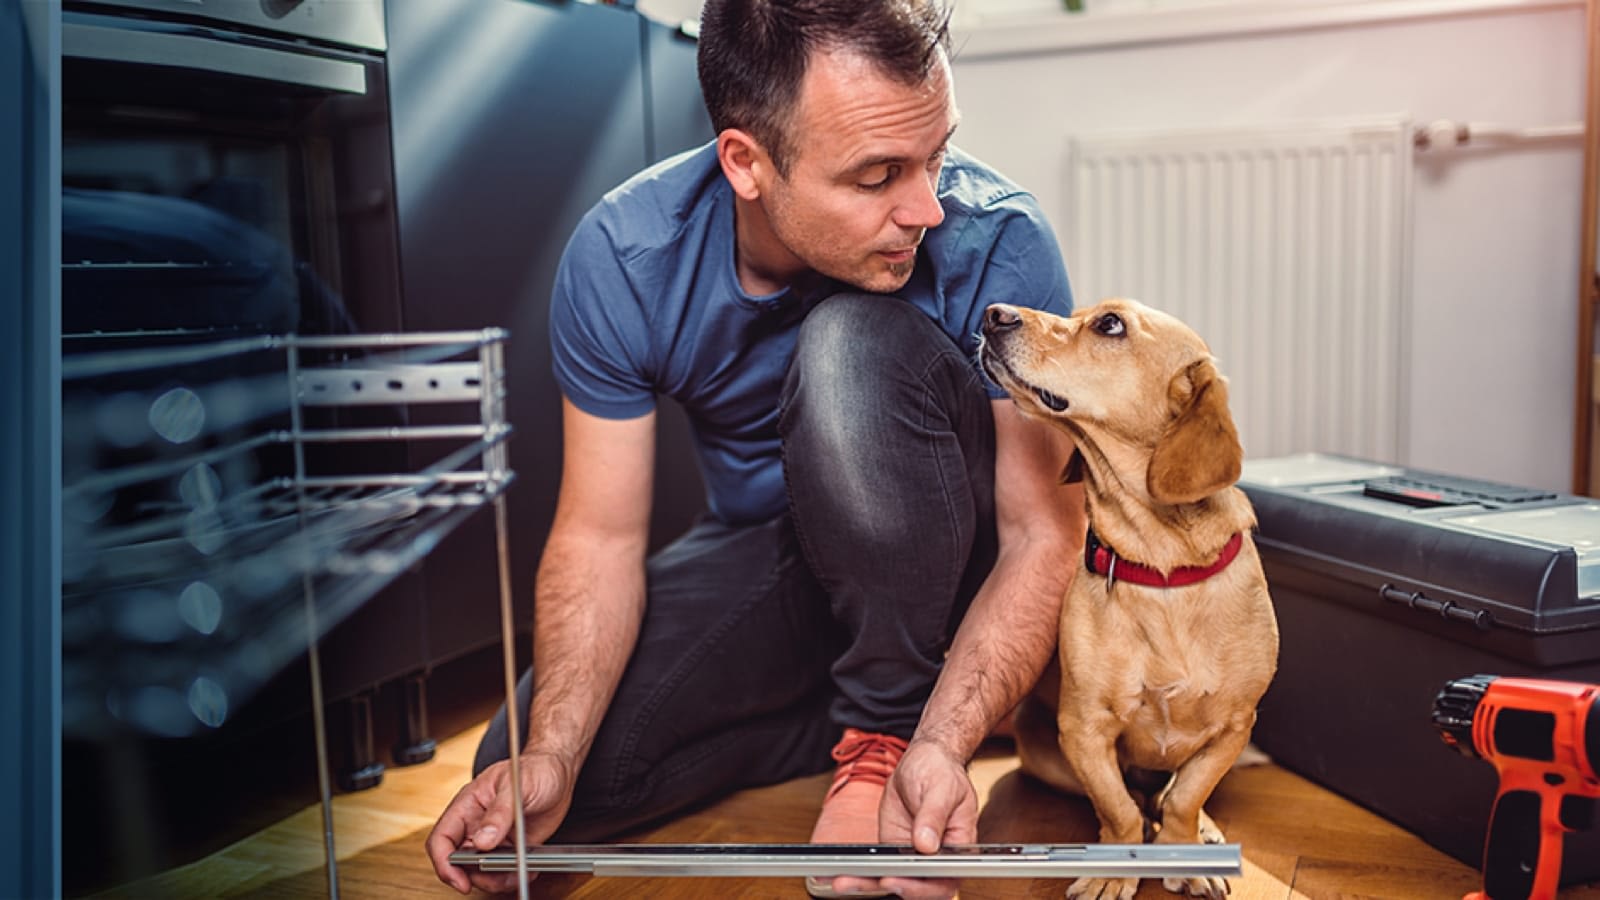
{"x":1448,"y":610}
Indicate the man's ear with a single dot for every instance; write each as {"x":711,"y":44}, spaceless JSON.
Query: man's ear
{"x":744,"y":162}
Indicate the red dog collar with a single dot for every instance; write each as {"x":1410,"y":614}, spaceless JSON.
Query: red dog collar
{"x":1102,"y":560}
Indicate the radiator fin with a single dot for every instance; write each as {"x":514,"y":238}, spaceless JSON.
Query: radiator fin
{"x":1287,"y":248}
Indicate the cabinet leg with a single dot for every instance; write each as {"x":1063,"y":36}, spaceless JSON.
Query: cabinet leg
{"x":362,"y":769}
{"x":413,"y":745}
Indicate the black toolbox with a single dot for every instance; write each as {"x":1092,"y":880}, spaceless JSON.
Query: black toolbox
{"x":1389,"y":582}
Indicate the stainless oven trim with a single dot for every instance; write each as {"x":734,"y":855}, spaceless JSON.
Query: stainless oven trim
{"x":192,"y":52}
{"x":350,"y":23}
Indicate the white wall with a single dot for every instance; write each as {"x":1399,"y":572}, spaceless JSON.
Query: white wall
{"x":1496,"y":233}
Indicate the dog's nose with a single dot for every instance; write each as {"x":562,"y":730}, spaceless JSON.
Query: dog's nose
{"x":1000,"y":317}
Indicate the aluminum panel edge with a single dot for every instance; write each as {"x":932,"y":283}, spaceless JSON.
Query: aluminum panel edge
{"x":30,"y":340}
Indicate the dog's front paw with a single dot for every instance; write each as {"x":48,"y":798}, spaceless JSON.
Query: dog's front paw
{"x":1211,"y":888}
{"x":1103,"y":889}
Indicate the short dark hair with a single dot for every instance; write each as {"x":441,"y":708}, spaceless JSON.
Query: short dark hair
{"x":753,"y":55}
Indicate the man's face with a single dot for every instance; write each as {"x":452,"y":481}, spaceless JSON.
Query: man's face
{"x":862,"y":187}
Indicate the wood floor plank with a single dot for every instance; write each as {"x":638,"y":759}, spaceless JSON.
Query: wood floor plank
{"x":1385,"y":879}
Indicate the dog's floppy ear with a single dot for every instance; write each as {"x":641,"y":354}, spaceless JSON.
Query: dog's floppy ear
{"x":1073,"y":473}
{"x":1199,"y":454}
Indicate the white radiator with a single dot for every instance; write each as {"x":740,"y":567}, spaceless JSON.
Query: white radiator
{"x":1286,"y":248}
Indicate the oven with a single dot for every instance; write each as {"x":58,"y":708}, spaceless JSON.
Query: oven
{"x":227,"y":215}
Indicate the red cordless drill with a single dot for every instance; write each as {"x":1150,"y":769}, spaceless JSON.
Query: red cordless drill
{"x":1543,"y":737}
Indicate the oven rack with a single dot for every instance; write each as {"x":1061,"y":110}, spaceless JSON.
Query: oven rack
{"x":226,"y":502}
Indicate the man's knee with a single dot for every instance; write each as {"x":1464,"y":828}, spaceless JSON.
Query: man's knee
{"x":860,"y":362}
{"x":860,"y":342}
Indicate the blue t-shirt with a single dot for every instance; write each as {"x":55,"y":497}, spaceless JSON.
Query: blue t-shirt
{"x":647,"y":301}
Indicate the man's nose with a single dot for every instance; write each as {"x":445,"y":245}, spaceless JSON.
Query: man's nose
{"x":919,"y":206}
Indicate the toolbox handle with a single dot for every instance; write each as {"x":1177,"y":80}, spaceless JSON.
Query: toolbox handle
{"x":1449,"y":610}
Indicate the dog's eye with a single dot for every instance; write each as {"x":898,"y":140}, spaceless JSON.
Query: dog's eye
{"x":1110,"y":325}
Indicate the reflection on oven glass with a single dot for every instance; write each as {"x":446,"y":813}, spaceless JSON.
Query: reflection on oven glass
{"x":149,"y":263}
{"x":178,"y":415}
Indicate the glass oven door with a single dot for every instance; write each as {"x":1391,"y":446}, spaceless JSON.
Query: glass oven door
{"x":218,"y":180}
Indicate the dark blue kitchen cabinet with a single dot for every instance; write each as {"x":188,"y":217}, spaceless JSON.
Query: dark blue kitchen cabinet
{"x":510,"y":119}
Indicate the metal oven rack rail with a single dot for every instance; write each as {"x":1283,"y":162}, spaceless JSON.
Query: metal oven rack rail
{"x":227,"y":501}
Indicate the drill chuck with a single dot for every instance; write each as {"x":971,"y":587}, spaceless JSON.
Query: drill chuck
{"x":1454,"y":709}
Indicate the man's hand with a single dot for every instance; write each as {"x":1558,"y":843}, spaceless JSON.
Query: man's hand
{"x":482,"y":817}
{"x":929,"y":802}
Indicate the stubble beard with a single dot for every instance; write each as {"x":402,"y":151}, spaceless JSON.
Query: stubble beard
{"x":902,"y":271}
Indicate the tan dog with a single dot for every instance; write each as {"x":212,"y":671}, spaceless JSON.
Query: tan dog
{"x":1168,"y":640}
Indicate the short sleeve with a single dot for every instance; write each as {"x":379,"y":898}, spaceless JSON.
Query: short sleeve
{"x":599,"y":333}
{"x":1024,"y":268}
{"x":1030,"y":270}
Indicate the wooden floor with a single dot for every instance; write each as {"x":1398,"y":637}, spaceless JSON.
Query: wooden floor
{"x":1299,"y":841}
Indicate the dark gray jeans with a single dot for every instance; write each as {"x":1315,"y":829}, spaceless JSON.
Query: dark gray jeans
{"x":762,"y":643}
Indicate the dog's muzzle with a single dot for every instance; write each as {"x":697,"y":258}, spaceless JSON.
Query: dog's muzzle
{"x":999,"y":323}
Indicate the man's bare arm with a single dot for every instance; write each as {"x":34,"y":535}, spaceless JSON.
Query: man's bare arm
{"x":1009,"y":632}
{"x":591,"y":586}
{"x":587,"y":610}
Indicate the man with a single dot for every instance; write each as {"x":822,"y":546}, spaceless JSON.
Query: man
{"x":888,"y":542}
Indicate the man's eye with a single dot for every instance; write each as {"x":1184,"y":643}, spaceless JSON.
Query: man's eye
{"x":1110,"y":325}
{"x":889,"y":175}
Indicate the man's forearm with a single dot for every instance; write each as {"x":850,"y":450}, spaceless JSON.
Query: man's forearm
{"x":586,"y":621}
{"x":1003,"y":644}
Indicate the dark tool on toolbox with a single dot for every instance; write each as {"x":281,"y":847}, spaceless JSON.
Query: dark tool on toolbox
{"x":1543,"y":738}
